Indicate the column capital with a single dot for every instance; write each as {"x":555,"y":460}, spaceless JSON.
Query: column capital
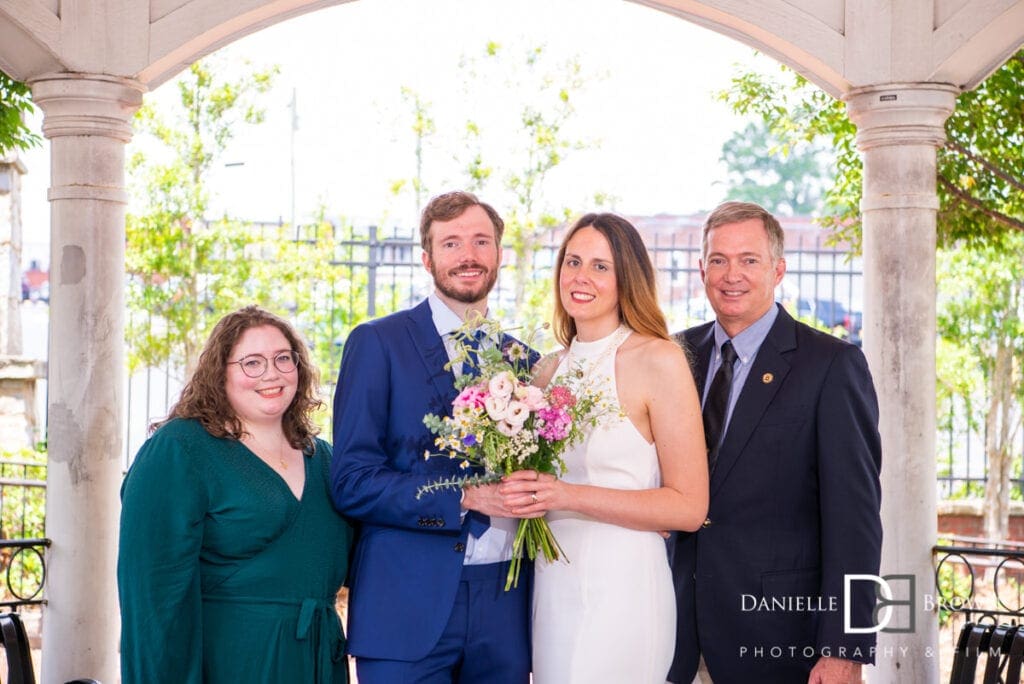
{"x":901,"y":113}
{"x":77,"y":104}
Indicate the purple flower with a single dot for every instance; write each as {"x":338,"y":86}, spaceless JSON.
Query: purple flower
{"x":469,"y":440}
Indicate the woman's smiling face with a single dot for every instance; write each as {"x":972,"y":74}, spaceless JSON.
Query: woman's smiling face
{"x":267,"y":397}
{"x":586,"y":280}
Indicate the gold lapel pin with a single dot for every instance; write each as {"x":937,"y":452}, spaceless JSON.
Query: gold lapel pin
{"x":767,"y":377}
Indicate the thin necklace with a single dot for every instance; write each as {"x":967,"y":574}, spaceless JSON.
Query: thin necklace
{"x":263,"y":450}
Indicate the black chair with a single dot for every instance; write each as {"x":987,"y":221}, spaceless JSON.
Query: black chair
{"x":19,"y":655}
{"x":1015,"y":656}
{"x":1001,"y":647}
{"x":998,"y":652}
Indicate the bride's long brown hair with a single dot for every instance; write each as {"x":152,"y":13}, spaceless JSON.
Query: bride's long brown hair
{"x":205,"y":399}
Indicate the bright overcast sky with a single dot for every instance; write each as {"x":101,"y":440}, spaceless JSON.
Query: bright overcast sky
{"x":659,"y":127}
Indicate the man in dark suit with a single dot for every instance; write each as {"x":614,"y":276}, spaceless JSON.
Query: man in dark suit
{"x":427,"y":601}
{"x":794,"y":459}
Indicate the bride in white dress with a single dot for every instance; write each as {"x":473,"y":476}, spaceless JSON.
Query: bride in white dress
{"x":608,"y":614}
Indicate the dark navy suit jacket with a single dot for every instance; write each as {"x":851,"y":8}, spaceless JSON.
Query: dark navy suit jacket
{"x":408,"y":557}
{"x":794,"y":507}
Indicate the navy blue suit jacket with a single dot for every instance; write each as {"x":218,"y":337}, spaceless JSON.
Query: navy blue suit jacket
{"x":409,"y":554}
{"x":794,"y":507}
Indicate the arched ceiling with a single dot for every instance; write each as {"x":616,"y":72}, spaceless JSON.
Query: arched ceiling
{"x":838,"y":44}
{"x":843,"y":45}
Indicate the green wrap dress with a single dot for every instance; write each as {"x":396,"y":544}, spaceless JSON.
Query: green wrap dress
{"x":224,"y":576}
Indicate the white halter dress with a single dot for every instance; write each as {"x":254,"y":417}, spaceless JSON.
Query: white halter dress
{"x":608,"y":615}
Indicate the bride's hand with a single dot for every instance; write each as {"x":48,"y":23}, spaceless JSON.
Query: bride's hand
{"x":529,"y":494}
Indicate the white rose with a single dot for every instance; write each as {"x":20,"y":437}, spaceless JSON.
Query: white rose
{"x":496,"y":407}
{"x":501,"y":385}
{"x":517,"y":413}
{"x":506,"y":428}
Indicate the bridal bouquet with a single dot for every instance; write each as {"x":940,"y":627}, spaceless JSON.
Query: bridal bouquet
{"x":501,"y":422}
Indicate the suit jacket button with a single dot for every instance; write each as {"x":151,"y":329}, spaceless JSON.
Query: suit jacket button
{"x":706,"y":523}
{"x":460,"y":547}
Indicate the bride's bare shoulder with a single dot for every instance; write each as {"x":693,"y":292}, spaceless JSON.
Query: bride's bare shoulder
{"x":654,"y":354}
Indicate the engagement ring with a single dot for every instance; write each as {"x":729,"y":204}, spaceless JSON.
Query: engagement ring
{"x":534,"y":497}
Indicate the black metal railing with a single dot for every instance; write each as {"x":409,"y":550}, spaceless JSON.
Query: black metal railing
{"x":23,"y":564}
{"x":23,"y":541}
{"x":981,"y":580}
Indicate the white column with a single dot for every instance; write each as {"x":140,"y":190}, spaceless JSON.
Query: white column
{"x":899,"y":128}
{"x":11,"y":170}
{"x":87,"y":118}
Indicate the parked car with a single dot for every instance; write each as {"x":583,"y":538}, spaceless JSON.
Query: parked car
{"x":830,"y":312}
{"x":833,"y":315}
{"x":804,"y":308}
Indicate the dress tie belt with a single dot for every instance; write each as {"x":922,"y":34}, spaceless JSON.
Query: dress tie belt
{"x":317,"y":620}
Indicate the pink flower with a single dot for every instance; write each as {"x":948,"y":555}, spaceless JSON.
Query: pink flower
{"x":554,"y":424}
{"x":471,"y":396}
{"x":532,"y":396}
{"x":561,"y":396}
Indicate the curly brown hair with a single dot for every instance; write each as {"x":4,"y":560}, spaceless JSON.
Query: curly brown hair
{"x":205,"y":399}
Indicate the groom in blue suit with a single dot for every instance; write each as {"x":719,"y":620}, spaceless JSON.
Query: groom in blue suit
{"x":791,"y":420}
{"x":427,"y":602}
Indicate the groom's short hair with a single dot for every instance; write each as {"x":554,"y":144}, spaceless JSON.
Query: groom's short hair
{"x":451,"y":205}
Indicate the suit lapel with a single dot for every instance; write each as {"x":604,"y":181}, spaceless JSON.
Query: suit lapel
{"x":756,"y":395}
{"x":703,"y":343}
{"x":430,"y":347}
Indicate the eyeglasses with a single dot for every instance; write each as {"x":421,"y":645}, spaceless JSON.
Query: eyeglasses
{"x":255,"y":365}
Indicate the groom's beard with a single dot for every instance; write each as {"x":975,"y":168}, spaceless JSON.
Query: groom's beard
{"x":448,"y":283}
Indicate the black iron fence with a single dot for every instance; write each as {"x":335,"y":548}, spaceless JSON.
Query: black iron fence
{"x":23,"y":541}
{"x":979,"y":580}
{"x":963,"y":461}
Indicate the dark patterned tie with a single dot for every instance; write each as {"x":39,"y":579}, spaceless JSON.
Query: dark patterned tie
{"x":717,"y":403}
{"x":478,"y":522}
{"x":471,"y":364}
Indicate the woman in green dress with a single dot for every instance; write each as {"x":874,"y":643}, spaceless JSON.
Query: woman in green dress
{"x":231,"y":553}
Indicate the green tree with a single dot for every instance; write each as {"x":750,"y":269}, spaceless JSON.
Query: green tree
{"x":980,"y":171}
{"x":781,"y":176}
{"x":186,"y":270}
{"x":15,"y":104}
{"x":979,"y":223}
{"x":423,"y":128}
{"x":981,"y":312}
{"x":532,"y":144}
